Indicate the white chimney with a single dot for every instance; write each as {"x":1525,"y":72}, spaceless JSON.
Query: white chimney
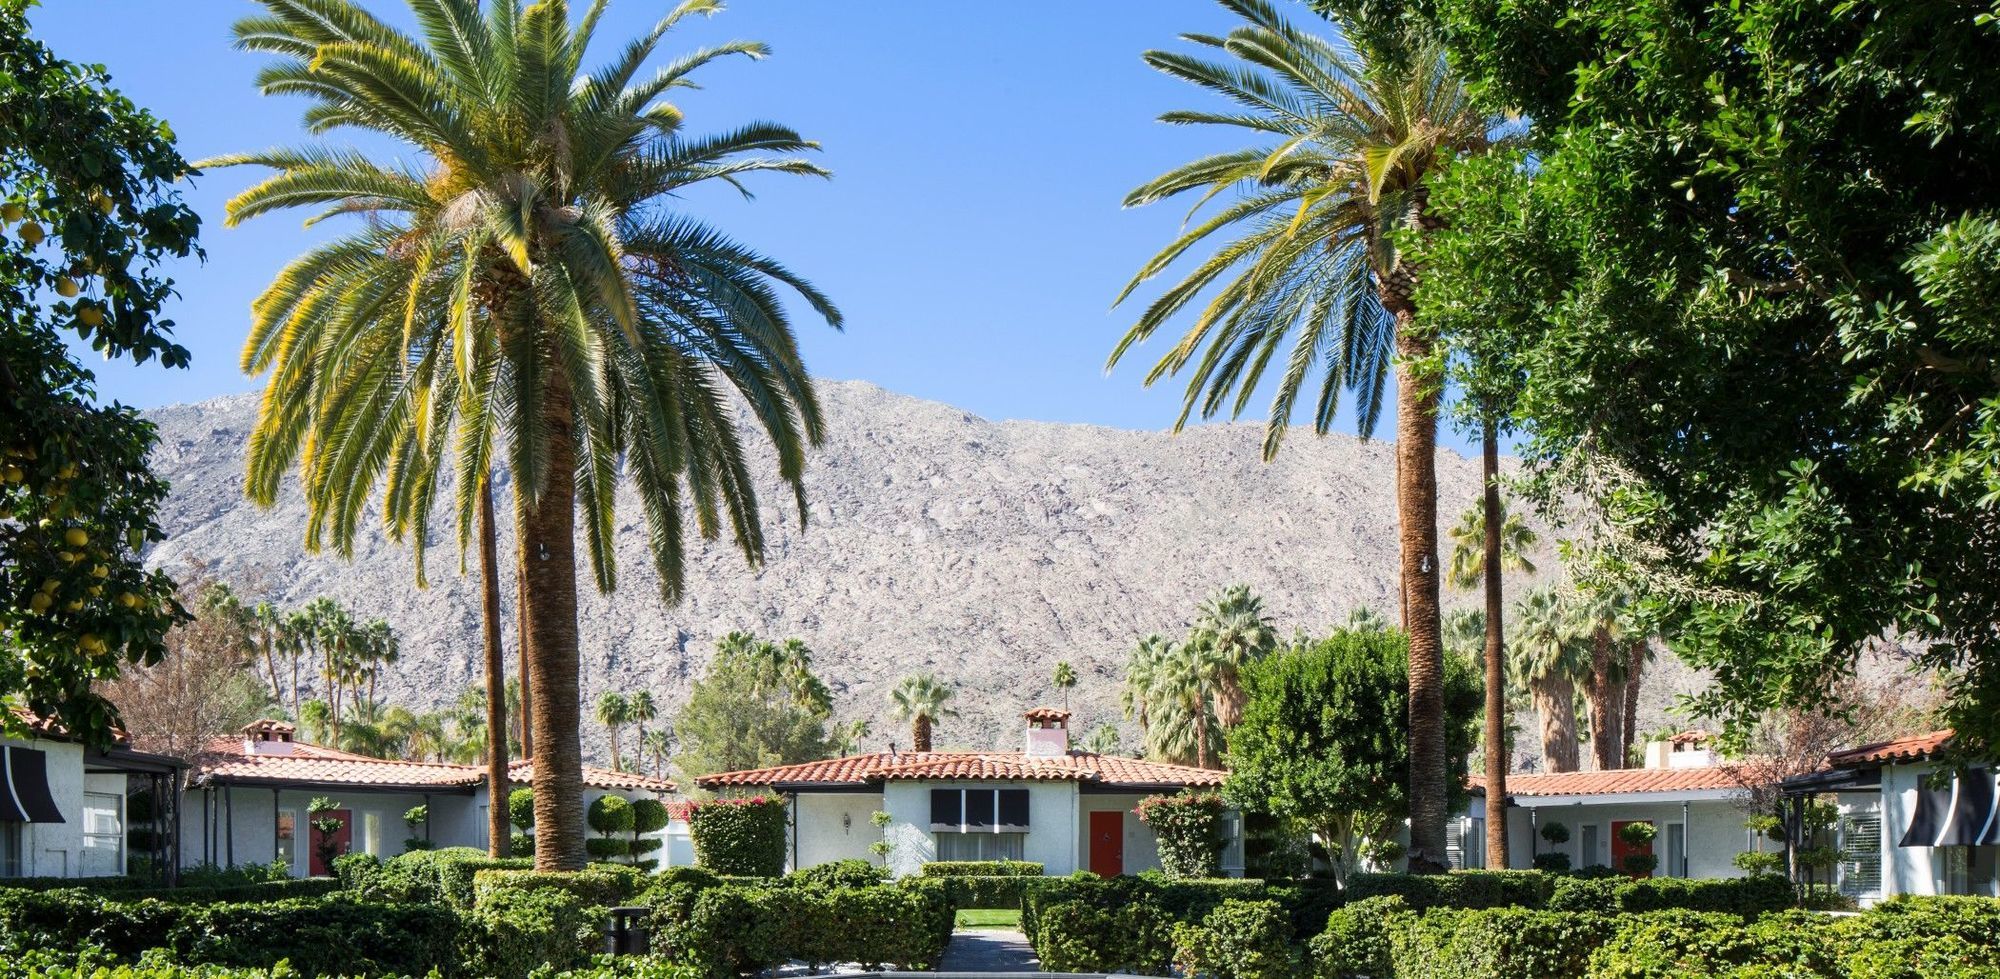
{"x":267,"y":737}
{"x":1048,"y":733}
{"x":1688,"y":749}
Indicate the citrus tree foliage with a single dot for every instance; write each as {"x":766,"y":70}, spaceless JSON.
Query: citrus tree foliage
{"x":1742,"y":296}
{"x":83,"y":194}
{"x":752,"y":708}
{"x":1189,"y":830}
{"x":1322,"y":739}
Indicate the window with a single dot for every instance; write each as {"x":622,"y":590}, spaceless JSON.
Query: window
{"x":103,"y":834}
{"x":1454,"y":843}
{"x":1587,"y":846}
{"x":1676,"y":858}
{"x":288,"y":831}
{"x":1953,"y":867}
{"x":979,"y":810}
{"x":981,"y":846}
{"x":1475,"y":843}
{"x":10,"y":849}
{"x":371,"y":834}
{"x":1232,"y":843}
{"x":1861,"y":853}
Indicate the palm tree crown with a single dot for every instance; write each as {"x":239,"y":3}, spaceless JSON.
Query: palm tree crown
{"x":1232,"y":624}
{"x":1468,"y":546}
{"x":923,"y":701}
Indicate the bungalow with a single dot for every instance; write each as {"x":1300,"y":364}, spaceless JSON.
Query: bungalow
{"x":1065,"y":809}
{"x":248,"y":797}
{"x":1692,"y":800}
{"x":1913,"y":819}
{"x":63,"y":805}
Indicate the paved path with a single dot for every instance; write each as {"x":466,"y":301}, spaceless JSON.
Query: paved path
{"x":989,"y":950}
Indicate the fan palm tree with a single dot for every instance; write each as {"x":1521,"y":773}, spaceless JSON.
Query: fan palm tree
{"x":1064,"y":679}
{"x":301,"y":642}
{"x":1186,"y":686}
{"x":1602,"y":617}
{"x":1342,"y":165}
{"x":614,"y":711}
{"x":521,"y":287}
{"x":922,"y":701}
{"x":1362,"y":618}
{"x":639,"y":706}
{"x":657,"y":746}
{"x":1140,"y":668}
{"x":1232,"y":624}
{"x":269,"y":625}
{"x":1480,"y":555}
{"x":1547,"y":656}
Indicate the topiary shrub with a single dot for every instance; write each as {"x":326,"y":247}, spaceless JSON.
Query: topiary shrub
{"x":739,"y":837}
{"x":982,"y":868}
{"x":1075,"y":936}
{"x":1188,"y":828}
{"x":438,"y":876}
{"x":1639,"y":836}
{"x":1355,"y":944}
{"x":603,"y":885}
{"x":1551,"y":863}
{"x":649,"y":816}
{"x":1237,"y":940}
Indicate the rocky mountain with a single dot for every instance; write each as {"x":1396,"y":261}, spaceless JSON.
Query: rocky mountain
{"x":983,"y":550}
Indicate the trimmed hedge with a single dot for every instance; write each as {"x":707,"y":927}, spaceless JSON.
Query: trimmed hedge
{"x":1458,"y":889}
{"x":1139,"y":913}
{"x":1745,"y":897}
{"x":602,"y":885}
{"x":526,"y":927}
{"x":839,"y":873}
{"x":1494,"y":943}
{"x":1238,"y":940}
{"x":982,"y":868}
{"x":1000,"y":885}
{"x":725,"y":929}
{"x":739,"y":837}
{"x":436,"y":876}
{"x":95,"y":963}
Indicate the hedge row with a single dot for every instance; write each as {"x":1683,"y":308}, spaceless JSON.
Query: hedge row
{"x":1746,"y":896}
{"x":982,"y":868}
{"x":95,"y":963}
{"x":1086,"y":923}
{"x":1384,"y":938}
{"x":728,"y":929}
{"x":435,"y":876}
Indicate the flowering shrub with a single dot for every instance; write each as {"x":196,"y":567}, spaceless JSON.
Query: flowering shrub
{"x":1188,"y":827}
{"x":739,"y":837}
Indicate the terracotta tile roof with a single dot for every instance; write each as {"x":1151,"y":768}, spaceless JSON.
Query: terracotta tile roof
{"x":523,"y":772}
{"x":1077,"y":766}
{"x":1617,"y":781}
{"x":1913,"y":748}
{"x":226,"y":759}
{"x":45,"y":727}
{"x":1046,"y":714}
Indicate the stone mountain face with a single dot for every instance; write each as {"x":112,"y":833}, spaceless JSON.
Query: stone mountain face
{"x":984,"y":551}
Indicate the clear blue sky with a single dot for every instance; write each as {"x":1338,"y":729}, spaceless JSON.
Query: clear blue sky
{"x":972,"y":231}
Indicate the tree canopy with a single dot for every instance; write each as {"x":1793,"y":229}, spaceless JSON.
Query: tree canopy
{"x":745,"y":712}
{"x":1322,"y":739}
{"x":1740,"y":295}
{"x":85,"y":181}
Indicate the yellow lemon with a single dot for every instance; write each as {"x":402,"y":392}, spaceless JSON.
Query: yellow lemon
{"x":106,"y":204}
{"x":12,"y":211}
{"x":100,"y":571}
{"x":68,"y":471}
{"x":90,"y":643}
{"x":128,"y":599}
{"x":15,"y":475}
{"x":65,"y":286}
{"x":95,"y":591}
{"x":32,"y":233}
{"x":39,"y":602}
{"x":91,"y":316}
{"x":76,"y":606}
{"x":76,"y":537}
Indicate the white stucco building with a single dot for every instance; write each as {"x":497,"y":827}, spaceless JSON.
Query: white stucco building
{"x":1067,"y":810}
{"x":64,"y":809}
{"x":1913,"y":820}
{"x":1693,"y":801}
{"x":247,"y":797}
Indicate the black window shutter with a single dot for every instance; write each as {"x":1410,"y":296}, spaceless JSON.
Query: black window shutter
{"x":1014,"y":808}
{"x":979,"y":808}
{"x":944,"y":807}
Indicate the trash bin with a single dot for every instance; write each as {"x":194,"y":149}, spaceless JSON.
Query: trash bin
{"x":626,"y":932}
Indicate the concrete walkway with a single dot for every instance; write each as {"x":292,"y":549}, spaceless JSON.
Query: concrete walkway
{"x":994,"y":950}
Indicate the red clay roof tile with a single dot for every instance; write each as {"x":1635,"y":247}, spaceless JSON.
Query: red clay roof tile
{"x":1914,"y":748}
{"x":226,"y":759}
{"x":1618,"y":781}
{"x":1077,"y":766}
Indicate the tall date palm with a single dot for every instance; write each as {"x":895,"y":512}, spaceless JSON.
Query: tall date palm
{"x":1308,"y":258}
{"x":520,"y":291}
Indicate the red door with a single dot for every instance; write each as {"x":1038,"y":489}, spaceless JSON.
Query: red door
{"x":1621,"y":849}
{"x":1107,"y":843}
{"x":343,"y":840}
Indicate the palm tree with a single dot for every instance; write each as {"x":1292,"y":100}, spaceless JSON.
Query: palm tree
{"x":1546,"y":655}
{"x":1362,"y":618}
{"x":639,"y":707}
{"x":657,"y":746}
{"x":1140,"y":669}
{"x":301,"y":641}
{"x":846,"y":739}
{"x":614,"y":711}
{"x":522,"y":287}
{"x":1601,"y":617}
{"x":1638,"y":653}
{"x":269,"y":625}
{"x":1488,"y":541}
{"x":1232,"y":624}
{"x":383,"y":650}
{"x":921,"y":700}
{"x":1342,"y":166}
{"x":1186,"y":686}
{"x":1464,"y":633}
{"x":1064,"y":680}
{"x":1102,"y":739}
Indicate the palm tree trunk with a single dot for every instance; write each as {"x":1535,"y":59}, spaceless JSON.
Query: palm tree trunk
{"x":1416,"y":507}
{"x":1634,"y":666}
{"x":525,"y":729}
{"x":920,"y":733}
{"x":271,"y":664}
{"x":498,"y":834}
{"x":547,"y":543}
{"x":1200,"y":741}
{"x":1497,"y":754}
{"x":1605,"y":700}
{"x":1555,"y":705}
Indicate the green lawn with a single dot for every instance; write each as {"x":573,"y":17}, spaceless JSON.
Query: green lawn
{"x":973,"y":918}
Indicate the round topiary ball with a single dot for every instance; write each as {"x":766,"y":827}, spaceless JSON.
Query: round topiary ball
{"x":649,"y":816}
{"x":611,"y":814}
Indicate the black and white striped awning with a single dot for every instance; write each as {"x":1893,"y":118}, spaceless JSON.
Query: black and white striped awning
{"x":1964,"y":812}
{"x":24,"y":787}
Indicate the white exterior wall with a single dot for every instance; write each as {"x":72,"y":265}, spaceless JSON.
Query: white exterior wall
{"x":1921,"y":869}
{"x":830,"y":826}
{"x":1142,"y":848}
{"x":1715,"y":832}
{"x":1053,"y":832}
{"x":57,"y":849}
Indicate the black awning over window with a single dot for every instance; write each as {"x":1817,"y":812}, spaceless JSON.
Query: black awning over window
{"x":28,"y":777}
{"x":979,"y":809}
{"x":944,"y":808}
{"x":1013,"y":809}
{"x":1959,"y":813}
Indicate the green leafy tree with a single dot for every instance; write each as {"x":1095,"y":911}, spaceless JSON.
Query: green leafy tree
{"x":1322,"y":738}
{"x":921,"y":701}
{"x":549,"y":304}
{"x":1319,"y":207}
{"x":1745,"y":287}
{"x":741,"y":714}
{"x":85,"y":195}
